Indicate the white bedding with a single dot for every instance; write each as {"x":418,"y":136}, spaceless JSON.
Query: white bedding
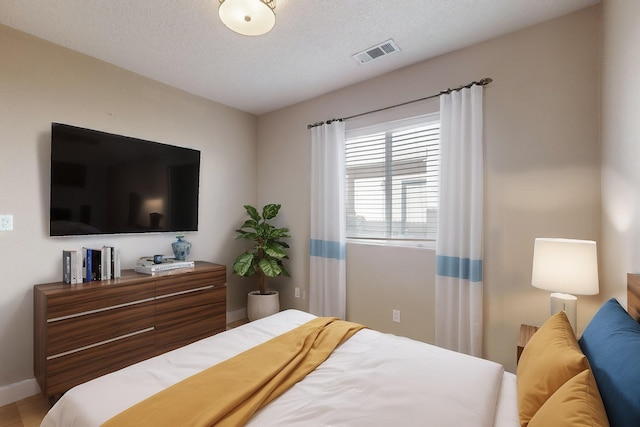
{"x":373,"y":379}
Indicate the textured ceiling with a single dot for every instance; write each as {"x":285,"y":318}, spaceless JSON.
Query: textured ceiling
{"x":308,"y":53}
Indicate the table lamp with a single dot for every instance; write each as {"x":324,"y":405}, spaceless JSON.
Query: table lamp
{"x":565,"y":267}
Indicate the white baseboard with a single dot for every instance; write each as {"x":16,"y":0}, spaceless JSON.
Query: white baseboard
{"x":18,"y":391}
{"x":234,"y":316}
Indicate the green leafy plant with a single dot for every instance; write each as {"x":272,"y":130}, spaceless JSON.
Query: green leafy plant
{"x":265,"y":258}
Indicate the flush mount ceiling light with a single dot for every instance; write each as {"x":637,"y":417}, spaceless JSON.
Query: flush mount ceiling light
{"x":248,"y":17}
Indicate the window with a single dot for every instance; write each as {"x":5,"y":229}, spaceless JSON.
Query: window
{"x":392,"y":180}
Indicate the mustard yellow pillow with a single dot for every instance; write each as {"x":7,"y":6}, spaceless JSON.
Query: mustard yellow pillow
{"x":551,"y":358}
{"x":576,"y":404}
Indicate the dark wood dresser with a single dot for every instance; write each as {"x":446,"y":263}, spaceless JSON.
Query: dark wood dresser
{"x":87,"y":330}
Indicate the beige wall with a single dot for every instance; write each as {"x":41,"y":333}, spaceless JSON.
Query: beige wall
{"x":620,"y":144}
{"x":41,"y":83}
{"x":542,"y":176}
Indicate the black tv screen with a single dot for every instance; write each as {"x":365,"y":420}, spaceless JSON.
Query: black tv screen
{"x":103,"y":183}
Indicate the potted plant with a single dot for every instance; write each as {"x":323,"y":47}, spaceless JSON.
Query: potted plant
{"x":264,"y":259}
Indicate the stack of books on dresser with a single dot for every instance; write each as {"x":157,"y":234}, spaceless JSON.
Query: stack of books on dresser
{"x":88,"y":264}
{"x":146,"y":265}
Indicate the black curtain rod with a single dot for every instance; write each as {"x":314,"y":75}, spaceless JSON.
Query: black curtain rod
{"x":481,"y":82}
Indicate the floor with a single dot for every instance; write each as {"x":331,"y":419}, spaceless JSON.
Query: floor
{"x":27,"y":412}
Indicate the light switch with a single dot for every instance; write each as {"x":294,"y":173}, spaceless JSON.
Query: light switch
{"x":6,"y":222}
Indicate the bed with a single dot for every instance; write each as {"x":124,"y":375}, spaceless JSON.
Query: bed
{"x":381,"y":379}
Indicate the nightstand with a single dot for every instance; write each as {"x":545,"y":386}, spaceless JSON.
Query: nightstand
{"x":526,"y":332}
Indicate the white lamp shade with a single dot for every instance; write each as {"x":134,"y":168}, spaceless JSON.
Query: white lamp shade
{"x":248,"y":17}
{"x":565,"y":265}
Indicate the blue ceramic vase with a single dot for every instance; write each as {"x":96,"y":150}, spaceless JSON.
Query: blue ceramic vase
{"x":181,"y":248}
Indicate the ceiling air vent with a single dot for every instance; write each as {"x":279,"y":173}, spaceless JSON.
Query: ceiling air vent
{"x":375,"y":52}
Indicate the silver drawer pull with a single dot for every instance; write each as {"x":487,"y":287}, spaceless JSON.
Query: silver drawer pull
{"x":86,"y":347}
{"x":188,"y":291}
{"x":99,"y":310}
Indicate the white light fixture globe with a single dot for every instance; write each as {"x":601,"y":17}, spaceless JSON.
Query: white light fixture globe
{"x":248,"y":17}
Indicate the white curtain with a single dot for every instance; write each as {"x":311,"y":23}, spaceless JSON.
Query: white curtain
{"x":327,"y":285}
{"x":459,"y":239}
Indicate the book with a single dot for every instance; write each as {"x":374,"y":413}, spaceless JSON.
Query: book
{"x":76,"y":267}
{"x":169,"y":272}
{"x":115,"y":262}
{"x":86,"y":265}
{"x":105,"y":264}
{"x":92,"y":264}
{"x":146,"y":265}
{"x":66,"y":266}
{"x":96,"y":264}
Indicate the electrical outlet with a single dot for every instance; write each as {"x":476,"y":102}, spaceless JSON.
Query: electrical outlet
{"x":6,"y":222}
{"x":396,"y":316}
{"x":297,"y":292}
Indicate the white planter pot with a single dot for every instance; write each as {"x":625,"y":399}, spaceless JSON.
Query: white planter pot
{"x":259,"y":306}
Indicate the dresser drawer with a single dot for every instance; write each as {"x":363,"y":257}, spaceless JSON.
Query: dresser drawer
{"x":176,"y":331}
{"x":190,"y":281}
{"x":69,"y":370}
{"x":94,"y":327}
{"x":87,"y":298}
{"x":185,"y":318}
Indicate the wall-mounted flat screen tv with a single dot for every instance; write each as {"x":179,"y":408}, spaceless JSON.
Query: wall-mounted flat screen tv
{"x":109,"y":184}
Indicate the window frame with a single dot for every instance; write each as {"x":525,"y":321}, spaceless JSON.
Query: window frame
{"x":388,"y":128}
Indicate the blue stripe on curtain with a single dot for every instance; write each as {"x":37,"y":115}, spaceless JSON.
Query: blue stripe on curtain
{"x":462,"y":268}
{"x":327,"y":249}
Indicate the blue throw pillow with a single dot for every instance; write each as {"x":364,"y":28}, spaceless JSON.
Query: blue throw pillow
{"x":611,"y":343}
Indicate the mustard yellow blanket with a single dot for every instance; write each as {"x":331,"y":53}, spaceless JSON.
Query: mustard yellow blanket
{"x":229,"y":393}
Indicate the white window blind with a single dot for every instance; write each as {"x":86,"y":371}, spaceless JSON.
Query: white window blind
{"x":392,"y":180}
